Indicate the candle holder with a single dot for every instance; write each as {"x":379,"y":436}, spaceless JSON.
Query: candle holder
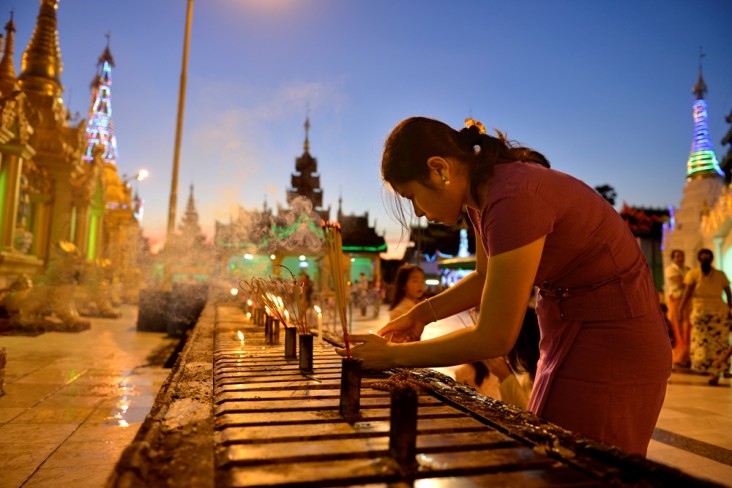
{"x":350,"y":403}
{"x":267,"y":329}
{"x":306,"y":353}
{"x":274,"y":331}
{"x":290,"y":343}
{"x":403,"y":427}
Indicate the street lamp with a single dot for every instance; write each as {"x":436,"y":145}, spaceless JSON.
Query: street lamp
{"x":137,"y":202}
{"x":176,"y":152}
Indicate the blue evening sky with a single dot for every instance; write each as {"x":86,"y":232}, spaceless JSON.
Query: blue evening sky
{"x":602,"y":88}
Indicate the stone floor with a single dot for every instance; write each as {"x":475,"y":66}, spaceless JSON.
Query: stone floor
{"x":74,"y":400}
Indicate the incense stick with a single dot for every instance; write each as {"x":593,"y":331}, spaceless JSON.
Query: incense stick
{"x":334,"y":250}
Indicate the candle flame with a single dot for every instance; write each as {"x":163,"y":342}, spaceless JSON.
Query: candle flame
{"x":241,"y":336}
{"x":317,"y":308}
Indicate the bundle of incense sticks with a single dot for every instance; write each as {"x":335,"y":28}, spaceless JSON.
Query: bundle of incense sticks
{"x":295,"y":301}
{"x":334,"y":250}
{"x":283,"y":299}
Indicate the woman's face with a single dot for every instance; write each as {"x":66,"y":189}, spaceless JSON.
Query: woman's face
{"x":415,"y":285}
{"x":439,"y":205}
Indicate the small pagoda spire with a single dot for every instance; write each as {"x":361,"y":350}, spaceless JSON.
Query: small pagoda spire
{"x":702,"y":162}
{"x":340,"y":207}
{"x":700,"y":88}
{"x":306,"y":146}
{"x":100,"y":126}
{"x":7,"y":65}
{"x":41,"y":64}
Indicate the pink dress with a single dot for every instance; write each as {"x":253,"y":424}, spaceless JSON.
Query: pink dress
{"x":605,"y":350}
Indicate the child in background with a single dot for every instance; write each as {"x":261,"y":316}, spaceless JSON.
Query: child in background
{"x":514,"y":373}
{"x":409,"y":288}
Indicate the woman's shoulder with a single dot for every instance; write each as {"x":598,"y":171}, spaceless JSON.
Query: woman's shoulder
{"x":519,"y":176}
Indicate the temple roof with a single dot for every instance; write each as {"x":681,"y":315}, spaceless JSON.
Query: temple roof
{"x":358,"y":236}
{"x":7,"y":65}
{"x":41,"y":65}
{"x":439,"y":239}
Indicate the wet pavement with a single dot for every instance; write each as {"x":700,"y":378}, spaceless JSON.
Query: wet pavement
{"x":74,"y":401}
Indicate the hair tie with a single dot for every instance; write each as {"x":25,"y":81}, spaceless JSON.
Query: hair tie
{"x":474,"y":123}
{"x":473,"y":130}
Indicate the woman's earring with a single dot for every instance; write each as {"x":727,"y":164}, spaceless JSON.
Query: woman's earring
{"x":445,"y":181}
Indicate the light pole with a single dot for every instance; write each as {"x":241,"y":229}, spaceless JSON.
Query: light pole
{"x":176,"y":152}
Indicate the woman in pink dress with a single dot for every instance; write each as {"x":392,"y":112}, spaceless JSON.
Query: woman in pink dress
{"x":605,"y":351}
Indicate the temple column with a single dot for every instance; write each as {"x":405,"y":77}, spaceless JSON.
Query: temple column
{"x":41,"y":225}
{"x":10,"y":172}
{"x":96,"y":225}
{"x":377,"y":268}
{"x":82,"y":228}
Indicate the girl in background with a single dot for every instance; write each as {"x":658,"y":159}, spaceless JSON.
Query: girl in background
{"x":409,"y":289}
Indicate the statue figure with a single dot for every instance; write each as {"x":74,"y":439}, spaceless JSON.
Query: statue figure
{"x":95,"y":290}
{"x":50,"y":303}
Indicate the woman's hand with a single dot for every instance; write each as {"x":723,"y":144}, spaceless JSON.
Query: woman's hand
{"x":371,"y":349}
{"x":402,"y":329}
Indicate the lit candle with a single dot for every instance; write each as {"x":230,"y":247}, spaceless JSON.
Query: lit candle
{"x":241,"y":339}
{"x":320,"y":324}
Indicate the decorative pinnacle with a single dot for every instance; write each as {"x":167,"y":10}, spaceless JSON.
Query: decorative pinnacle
{"x":307,"y":129}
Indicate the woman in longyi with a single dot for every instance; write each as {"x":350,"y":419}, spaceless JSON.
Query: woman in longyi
{"x":605,"y":354}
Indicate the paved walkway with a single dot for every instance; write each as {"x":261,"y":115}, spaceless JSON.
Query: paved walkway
{"x":74,"y":401}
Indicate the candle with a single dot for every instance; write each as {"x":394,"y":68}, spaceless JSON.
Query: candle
{"x":241,"y":339}
{"x":320,"y":324}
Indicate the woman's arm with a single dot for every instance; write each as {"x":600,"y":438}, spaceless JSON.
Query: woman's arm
{"x":463,"y":295}
{"x":688,"y":291}
{"x":508,"y":282}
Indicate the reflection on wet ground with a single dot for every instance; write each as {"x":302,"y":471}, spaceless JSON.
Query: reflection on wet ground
{"x":74,"y":401}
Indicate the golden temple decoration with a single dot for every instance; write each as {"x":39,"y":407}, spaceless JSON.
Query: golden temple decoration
{"x":714,"y":219}
{"x":41,"y":64}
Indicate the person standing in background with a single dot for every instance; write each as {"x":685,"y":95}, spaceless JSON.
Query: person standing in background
{"x":710,"y":317}
{"x":674,"y":294}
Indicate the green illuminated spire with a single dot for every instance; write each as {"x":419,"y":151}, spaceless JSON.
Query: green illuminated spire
{"x":702,"y":161}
